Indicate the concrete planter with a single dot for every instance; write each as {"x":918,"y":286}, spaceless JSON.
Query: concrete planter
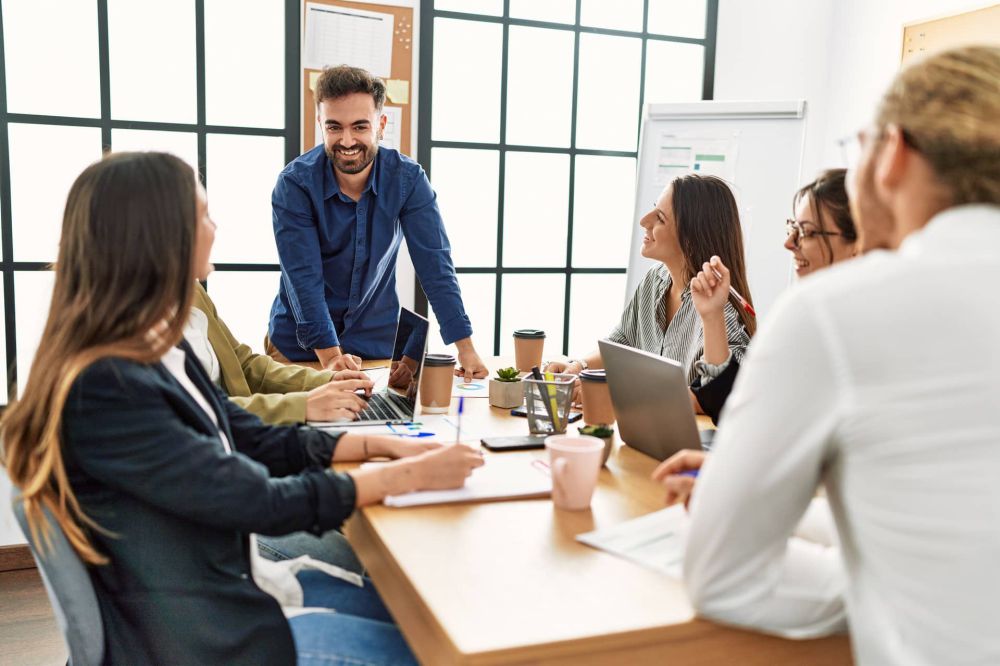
{"x":506,"y":395}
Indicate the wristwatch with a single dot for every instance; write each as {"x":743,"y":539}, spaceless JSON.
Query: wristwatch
{"x":583,"y":364}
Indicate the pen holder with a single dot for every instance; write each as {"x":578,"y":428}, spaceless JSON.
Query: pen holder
{"x":548,"y":403}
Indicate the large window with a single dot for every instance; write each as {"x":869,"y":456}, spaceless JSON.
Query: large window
{"x":204,"y":79}
{"x":529,"y":122}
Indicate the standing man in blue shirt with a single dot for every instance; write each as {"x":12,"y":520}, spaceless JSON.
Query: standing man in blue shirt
{"x":340,"y":212}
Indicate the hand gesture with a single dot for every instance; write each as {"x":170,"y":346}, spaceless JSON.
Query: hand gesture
{"x":709,"y":292}
{"x":336,"y":401}
{"x":448,"y":466}
{"x":344,"y":375}
{"x":470,"y":366}
{"x":670,"y":473}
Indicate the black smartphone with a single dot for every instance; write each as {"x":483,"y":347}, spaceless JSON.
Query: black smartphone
{"x":523,"y":412}
{"x":519,"y":443}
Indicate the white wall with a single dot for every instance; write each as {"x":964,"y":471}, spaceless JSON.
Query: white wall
{"x":838,"y":55}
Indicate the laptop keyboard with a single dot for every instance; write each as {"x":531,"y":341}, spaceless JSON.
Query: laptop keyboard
{"x":384,"y":407}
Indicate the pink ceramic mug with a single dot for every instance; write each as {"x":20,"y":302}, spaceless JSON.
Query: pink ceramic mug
{"x":575,"y":461}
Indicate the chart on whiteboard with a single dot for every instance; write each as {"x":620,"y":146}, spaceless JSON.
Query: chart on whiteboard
{"x":681,"y":154}
{"x":343,"y":36}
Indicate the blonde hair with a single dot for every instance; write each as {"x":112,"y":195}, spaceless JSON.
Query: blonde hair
{"x":124,"y":267}
{"x":948,"y":106}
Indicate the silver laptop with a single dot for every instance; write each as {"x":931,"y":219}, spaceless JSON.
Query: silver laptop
{"x":651,"y":400}
{"x":396,"y":404}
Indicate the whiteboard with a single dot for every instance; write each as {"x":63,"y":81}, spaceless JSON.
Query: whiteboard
{"x":758,"y":148}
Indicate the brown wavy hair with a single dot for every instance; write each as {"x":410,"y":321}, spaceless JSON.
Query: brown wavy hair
{"x":828,"y":201}
{"x":708,"y":223}
{"x":125,"y":270}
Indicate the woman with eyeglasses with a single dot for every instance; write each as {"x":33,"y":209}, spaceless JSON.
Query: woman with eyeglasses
{"x":682,"y":309}
{"x":823,"y":231}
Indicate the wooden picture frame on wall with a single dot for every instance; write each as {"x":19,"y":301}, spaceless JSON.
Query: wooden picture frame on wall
{"x":400,"y":79}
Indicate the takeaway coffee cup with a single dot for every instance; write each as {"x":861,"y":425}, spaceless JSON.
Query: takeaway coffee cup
{"x":528,"y":344}
{"x":436,"y":380}
{"x":575,"y":461}
{"x":597,"y":407}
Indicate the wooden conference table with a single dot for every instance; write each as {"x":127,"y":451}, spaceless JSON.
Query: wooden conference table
{"x":505,"y":582}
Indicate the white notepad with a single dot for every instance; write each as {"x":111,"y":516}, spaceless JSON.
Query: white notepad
{"x":655,"y":541}
{"x":503,"y":477}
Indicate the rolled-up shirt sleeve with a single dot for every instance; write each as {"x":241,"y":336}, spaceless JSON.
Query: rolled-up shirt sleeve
{"x":430,"y":251}
{"x":297,"y":238}
{"x":742,"y":564}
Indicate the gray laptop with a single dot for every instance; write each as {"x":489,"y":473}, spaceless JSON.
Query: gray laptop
{"x":396,"y":404}
{"x":651,"y":400}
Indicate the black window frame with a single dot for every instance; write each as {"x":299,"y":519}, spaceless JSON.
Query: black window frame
{"x":291,"y":134}
{"x":426,"y":142}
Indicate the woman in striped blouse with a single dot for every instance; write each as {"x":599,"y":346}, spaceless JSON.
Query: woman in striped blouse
{"x":682,"y":309}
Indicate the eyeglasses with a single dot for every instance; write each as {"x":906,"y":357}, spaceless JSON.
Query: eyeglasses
{"x":852,"y":146}
{"x":796,"y":232}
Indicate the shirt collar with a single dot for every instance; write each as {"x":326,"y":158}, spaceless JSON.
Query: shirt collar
{"x":330,"y":185}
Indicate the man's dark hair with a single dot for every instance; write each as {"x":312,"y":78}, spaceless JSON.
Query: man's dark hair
{"x":344,"y":80}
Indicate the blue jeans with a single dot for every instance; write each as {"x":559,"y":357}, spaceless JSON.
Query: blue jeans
{"x":332,"y":547}
{"x":360,"y":633}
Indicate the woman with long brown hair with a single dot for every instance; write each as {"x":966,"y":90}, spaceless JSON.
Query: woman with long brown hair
{"x":681,"y":309}
{"x":157,"y":479}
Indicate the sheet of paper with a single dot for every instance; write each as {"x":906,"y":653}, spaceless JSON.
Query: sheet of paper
{"x":655,"y":541}
{"x":313,"y":78}
{"x":477,"y":388}
{"x":392,"y":137}
{"x":343,"y":36}
{"x":680,"y":154}
{"x":506,"y":476}
{"x":398,"y":91}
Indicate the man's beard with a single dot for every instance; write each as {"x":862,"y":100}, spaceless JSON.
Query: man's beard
{"x":875,"y":222}
{"x":365,"y":156}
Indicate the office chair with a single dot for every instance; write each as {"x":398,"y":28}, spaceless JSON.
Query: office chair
{"x":70,"y":592}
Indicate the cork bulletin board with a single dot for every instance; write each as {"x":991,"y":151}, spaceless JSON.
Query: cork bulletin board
{"x":398,"y":82}
{"x":981,"y":26}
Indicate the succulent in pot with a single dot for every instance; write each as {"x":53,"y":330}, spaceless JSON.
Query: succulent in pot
{"x":506,"y":389}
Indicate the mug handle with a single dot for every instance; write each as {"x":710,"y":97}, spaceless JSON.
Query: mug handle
{"x":559,"y":468}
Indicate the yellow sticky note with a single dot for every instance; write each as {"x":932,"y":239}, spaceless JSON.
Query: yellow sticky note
{"x":313,"y":77}
{"x":398,"y":91}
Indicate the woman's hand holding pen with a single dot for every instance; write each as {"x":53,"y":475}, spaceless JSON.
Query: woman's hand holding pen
{"x":710,"y":289}
{"x":678,"y":474}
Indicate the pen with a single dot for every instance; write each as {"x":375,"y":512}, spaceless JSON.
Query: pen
{"x":693,"y":473}
{"x":553,"y":404}
{"x":458,"y":428}
{"x":537,"y":376}
{"x":374,"y":367}
{"x":746,"y":304}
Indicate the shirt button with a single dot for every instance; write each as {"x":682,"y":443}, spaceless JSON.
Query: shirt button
{"x":244,"y":576}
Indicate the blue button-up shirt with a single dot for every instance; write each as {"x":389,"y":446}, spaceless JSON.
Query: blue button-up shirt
{"x":338,"y":257}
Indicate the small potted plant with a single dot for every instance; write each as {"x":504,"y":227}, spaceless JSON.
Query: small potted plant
{"x":607,"y":433}
{"x":506,"y":390}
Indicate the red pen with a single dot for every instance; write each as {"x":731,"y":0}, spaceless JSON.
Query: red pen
{"x":746,"y":305}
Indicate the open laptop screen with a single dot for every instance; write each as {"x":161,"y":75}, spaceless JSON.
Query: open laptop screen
{"x":408,"y":355}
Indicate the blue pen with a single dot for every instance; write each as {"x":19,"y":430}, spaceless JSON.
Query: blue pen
{"x":458,"y":428}
{"x":693,"y":473}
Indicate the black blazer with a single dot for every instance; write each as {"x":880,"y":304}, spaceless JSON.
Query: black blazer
{"x":147,"y":465}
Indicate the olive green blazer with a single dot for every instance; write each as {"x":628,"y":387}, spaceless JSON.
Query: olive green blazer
{"x":273,"y":391}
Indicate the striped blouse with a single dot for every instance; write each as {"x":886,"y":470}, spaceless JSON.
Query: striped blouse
{"x":644,"y":325}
